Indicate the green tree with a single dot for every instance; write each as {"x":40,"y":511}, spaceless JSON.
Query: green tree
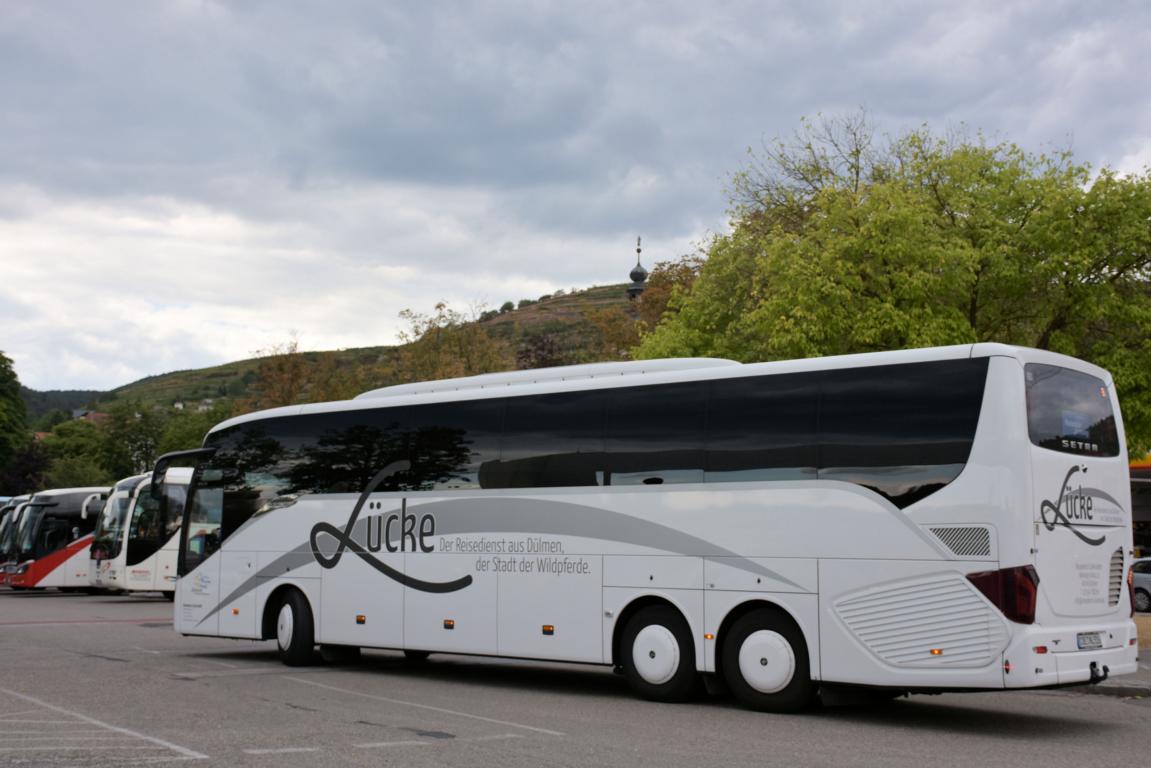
{"x":281,"y":378}
{"x":840,"y":244}
{"x":49,"y":420}
{"x":24,"y":471}
{"x":130,"y":439}
{"x":13,"y":416}
{"x":667,"y":284}
{"x":76,"y":472}
{"x":445,"y":345}
{"x":184,"y":430}
{"x":73,"y":438}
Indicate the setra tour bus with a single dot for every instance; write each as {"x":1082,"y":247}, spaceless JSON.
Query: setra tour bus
{"x":52,"y":540}
{"x":947,"y":519}
{"x":10,"y":514}
{"x":134,"y":544}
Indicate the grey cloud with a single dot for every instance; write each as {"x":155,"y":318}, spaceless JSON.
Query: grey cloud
{"x":312,"y":143}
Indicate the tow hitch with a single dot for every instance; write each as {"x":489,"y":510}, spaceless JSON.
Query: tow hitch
{"x":1096,"y":676}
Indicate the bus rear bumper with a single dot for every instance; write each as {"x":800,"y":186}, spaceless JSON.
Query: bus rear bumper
{"x":1040,"y":656}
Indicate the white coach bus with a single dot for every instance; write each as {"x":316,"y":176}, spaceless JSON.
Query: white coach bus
{"x":136,"y":537}
{"x":954,"y":518}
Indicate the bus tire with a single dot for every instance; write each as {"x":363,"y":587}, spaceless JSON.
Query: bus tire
{"x":295,"y":630}
{"x":765,"y":663}
{"x":1142,"y":601}
{"x":658,"y":656}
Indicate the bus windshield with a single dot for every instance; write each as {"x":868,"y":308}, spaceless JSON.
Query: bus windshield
{"x":110,"y":526}
{"x":8,"y":539}
{"x":5,"y":525}
{"x":26,"y":535}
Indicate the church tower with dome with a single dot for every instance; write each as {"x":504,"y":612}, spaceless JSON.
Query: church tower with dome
{"x":638,"y":274}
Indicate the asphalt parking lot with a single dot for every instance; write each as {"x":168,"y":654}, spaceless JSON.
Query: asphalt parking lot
{"x":104,"y":681}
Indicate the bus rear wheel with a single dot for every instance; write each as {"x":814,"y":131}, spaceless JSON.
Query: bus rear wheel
{"x":295,"y":630}
{"x":765,"y":663}
{"x":658,"y":656}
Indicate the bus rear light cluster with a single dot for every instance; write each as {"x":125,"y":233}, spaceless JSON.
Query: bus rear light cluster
{"x":1014,"y":591}
{"x":1131,"y":588}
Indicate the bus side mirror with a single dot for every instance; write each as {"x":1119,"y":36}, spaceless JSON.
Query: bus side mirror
{"x":93,"y":497}
{"x":156,"y":487}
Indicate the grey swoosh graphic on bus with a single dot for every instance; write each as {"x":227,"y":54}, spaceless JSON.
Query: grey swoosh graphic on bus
{"x":509,"y":515}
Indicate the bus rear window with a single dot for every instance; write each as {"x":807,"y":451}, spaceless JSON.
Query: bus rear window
{"x":1069,"y":411}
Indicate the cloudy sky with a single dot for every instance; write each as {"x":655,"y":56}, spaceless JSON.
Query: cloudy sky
{"x":183,"y":182}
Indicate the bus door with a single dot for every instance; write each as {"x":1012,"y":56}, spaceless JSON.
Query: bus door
{"x":1081,"y":499}
{"x":143,"y":540}
{"x":198,"y":566}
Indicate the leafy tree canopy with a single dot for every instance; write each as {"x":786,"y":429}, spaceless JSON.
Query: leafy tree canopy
{"x":844,"y":243}
{"x":13,"y":417}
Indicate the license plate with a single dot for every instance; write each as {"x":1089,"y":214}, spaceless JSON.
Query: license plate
{"x":1089,"y":641}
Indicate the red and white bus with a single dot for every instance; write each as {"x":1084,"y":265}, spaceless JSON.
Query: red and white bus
{"x":10,"y":514}
{"x":52,"y":539}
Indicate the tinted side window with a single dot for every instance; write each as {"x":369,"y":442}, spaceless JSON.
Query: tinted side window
{"x":655,"y":435}
{"x":337,"y":452}
{"x":904,"y":431}
{"x":550,"y":441}
{"x":448,"y":444}
{"x":1069,"y":411}
{"x":763,"y":428}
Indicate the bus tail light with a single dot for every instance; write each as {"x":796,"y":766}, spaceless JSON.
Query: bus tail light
{"x":1014,"y":591}
{"x":1131,"y":588}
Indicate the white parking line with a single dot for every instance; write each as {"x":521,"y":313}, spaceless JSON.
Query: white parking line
{"x":58,"y":747}
{"x":383,"y":744}
{"x":24,"y":739}
{"x":281,"y":751}
{"x":114,"y":728}
{"x":428,"y":707}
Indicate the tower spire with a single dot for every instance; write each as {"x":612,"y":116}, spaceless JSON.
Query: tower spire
{"x":638,"y":274}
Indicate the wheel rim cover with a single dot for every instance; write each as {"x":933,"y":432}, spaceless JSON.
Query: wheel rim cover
{"x":655,"y":654}
{"x":284,"y":627}
{"x":766,"y":661}
{"x":1142,"y":602}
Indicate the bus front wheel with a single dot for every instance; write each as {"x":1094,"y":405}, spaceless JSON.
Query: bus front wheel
{"x":659,"y":656}
{"x":295,"y":630}
{"x":765,"y":663}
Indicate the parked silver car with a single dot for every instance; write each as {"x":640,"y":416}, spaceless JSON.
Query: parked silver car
{"x":1142,"y":568}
